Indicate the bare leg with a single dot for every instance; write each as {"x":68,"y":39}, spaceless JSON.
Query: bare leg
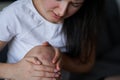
{"x":113,"y":78}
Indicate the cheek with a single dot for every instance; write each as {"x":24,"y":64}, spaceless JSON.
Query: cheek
{"x":50,"y":5}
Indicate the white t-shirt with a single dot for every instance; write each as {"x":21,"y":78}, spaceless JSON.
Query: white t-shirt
{"x":24,"y":28}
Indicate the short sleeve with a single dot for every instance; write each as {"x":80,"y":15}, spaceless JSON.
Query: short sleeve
{"x":7,"y":29}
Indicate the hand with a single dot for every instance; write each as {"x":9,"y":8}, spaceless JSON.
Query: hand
{"x":47,"y":54}
{"x":26,"y":70}
{"x":44,"y":55}
{"x":57,"y":58}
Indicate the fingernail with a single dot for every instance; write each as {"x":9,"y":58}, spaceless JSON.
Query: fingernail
{"x":55,"y":70}
{"x":56,"y":75}
{"x":53,"y":61}
{"x":59,"y":73}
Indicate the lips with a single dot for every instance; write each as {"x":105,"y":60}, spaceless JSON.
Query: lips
{"x":56,"y":16}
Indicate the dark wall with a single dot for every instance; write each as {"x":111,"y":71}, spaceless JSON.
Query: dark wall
{"x":6,"y":0}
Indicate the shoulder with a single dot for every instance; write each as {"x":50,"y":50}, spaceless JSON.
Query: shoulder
{"x":15,"y":8}
{"x":14,"y":13}
{"x":10,"y":11}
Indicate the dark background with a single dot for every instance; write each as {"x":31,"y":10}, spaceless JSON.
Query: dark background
{"x":6,"y":0}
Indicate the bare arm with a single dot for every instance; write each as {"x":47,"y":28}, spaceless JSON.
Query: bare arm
{"x":4,"y":68}
{"x":25,"y":70}
{"x":74,"y":65}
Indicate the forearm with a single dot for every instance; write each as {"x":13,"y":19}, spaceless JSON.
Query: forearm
{"x":74,"y":65}
{"x":6,"y":70}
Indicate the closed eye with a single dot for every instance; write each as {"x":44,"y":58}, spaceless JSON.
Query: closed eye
{"x":76,"y":4}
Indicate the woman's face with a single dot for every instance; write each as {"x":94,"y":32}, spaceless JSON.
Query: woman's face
{"x":57,"y":10}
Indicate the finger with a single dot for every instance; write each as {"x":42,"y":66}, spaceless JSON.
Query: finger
{"x":57,"y":55}
{"x":44,"y":68}
{"x":33,"y":60}
{"x":43,"y":78}
{"x":45,"y":74}
{"x":46,"y":44}
{"x":59,"y":65}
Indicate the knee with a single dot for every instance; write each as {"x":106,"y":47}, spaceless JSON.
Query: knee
{"x":112,"y":78}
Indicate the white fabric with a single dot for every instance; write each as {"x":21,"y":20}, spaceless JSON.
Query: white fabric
{"x":22,"y":25}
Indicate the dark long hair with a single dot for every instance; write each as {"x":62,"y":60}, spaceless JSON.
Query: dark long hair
{"x":81,"y":29}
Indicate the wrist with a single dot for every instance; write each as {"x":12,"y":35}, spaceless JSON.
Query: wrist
{"x":6,"y":70}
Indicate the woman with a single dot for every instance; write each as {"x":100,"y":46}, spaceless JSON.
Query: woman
{"x":72,"y":26}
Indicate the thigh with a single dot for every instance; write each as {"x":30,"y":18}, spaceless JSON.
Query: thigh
{"x":113,"y":78}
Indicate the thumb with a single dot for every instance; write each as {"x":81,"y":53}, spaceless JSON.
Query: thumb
{"x":33,"y":60}
{"x":46,"y":44}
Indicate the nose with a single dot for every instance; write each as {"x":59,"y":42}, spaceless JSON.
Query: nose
{"x":63,"y":8}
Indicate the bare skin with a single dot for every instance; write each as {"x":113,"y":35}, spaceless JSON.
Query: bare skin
{"x":25,"y":70}
{"x":35,"y":66}
{"x":44,"y":55}
{"x":29,"y":68}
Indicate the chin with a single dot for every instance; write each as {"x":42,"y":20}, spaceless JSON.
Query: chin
{"x":54,"y":21}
